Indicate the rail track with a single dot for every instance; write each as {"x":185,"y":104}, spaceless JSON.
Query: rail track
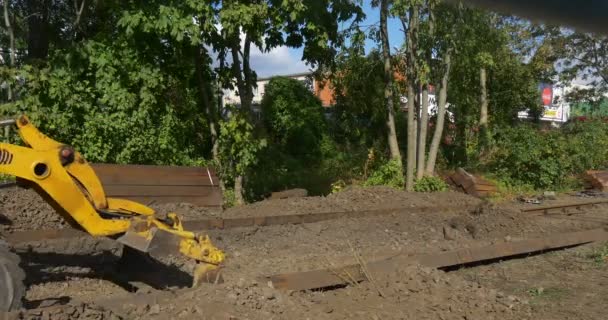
{"x":16,"y":237}
{"x":349,"y":274}
{"x":242,"y":222}
{"x":562,"y":208}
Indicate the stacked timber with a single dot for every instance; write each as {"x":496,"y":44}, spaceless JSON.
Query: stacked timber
{"x":149,"y":184}
{"x":472,"y":185}
{"x":596,"y":180}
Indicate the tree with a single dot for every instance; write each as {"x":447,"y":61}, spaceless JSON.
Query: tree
{"x":584,"y":57}
{"x":359,"y":115}
{"x":293,"y":117}
{"x":428,"y":45}
{"x":388,"y":83}
{"x":444,"y":46}
{"x":409,"y":14}
{"x":270,"y":24}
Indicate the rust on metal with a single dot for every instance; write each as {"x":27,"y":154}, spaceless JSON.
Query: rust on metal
{"x":229,"y":223}
{"x":471,"y":184}
{"x":597,"y":180}
{"x":317,"y":279}
{"x":546,"y":209}
{"x":160,"y":184}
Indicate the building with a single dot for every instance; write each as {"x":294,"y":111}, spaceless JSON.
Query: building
{"x":321,"y":89}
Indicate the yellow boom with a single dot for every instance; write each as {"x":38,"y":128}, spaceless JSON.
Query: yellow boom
{"x":63,"y":178}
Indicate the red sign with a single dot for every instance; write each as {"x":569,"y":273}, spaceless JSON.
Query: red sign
{"x":547,"y":96}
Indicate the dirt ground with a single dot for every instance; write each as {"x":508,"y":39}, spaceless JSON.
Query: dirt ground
{"x":77,"y":278}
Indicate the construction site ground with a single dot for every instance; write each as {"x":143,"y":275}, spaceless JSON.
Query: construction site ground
{"x":76,"y":278}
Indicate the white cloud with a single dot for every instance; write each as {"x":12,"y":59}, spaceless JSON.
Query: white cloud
{"x":279,"y":61}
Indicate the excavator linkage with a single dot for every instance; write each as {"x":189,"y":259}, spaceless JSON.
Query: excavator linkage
{"x":63,"y":178}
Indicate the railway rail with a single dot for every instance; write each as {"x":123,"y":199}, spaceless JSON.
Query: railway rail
{"x":562,"y":208}
{"x":239,"y":222}
{"x":345,"y":275}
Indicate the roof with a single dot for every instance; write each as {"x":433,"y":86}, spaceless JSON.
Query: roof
{"x":292,"y":75}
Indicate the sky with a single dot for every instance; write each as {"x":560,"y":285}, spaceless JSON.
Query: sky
{"x":284,"y":60}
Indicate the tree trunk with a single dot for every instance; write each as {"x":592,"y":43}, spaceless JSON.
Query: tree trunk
{"x":13,"y":59}
{"x":200,"y":58}
{"x":245,"y":83}
{"x":388,"y":84}
{"x":483,"y":118}
{"x":423,"y":123}
{"x":38,"y":26}
{"x":443,"y":93}
{"x":238,"y":191}
{"x":424,"y":112}
{"x":412,"y":41}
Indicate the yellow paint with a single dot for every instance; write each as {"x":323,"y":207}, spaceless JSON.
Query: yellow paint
{"x":128,"y":206}
{"x":79,"y":169}
{"x":78,"y":191}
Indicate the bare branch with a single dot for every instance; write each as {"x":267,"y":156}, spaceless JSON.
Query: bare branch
{"x":78,"y":12}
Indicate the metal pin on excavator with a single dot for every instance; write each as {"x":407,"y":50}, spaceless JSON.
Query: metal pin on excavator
{"x":66,"y":181}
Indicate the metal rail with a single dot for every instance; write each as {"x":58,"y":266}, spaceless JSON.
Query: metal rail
{"x":546,"y":209}
{"x":324,"y":278}
{"x":230,"y":223}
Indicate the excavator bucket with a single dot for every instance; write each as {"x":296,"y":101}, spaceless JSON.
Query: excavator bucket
{"x":196,"y":256}
{"x":158,"y":262}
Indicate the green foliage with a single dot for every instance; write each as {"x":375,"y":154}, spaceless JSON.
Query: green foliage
{"x":229,"y":198}
{"x":600,"y":255}
{"x":114,"y":105}
{"x":338,"y":186}
{"x":239,"y":148}
{"x":589,"y":108}
{"x":293,"y":117}
{"x":430,"y":184}
{"x":278,"y":170}
{"x":388,"y":174}
{"x":524,"y":155}
{"x":359,"y":117}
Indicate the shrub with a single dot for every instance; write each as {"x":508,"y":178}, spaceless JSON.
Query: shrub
{"x":229,"y":198}
{"x":430,"y":184}
{"x":293,"y":117}
{"x":525,"y":155}
{"x":388,"y":174}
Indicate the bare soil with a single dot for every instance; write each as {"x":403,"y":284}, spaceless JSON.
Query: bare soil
{"x":75,"y":272}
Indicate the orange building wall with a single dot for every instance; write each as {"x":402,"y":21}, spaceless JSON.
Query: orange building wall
{"x":324,"y":91}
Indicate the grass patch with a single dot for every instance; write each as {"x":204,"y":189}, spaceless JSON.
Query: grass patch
{"x":547,"y":293}
{"x":599,"y":255}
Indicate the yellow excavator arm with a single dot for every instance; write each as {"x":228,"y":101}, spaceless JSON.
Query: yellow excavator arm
{"x":63,"y":178}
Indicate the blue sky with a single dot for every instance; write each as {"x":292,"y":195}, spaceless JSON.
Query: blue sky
{"x":285,"y":60}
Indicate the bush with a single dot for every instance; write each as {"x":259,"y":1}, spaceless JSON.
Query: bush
{"x":388,"y":174}
{"x":430,"y":184}
{"x":293,"y":117}
{"x":114,"y":105}
{"x":525,"y":155}
{"x":277,"y":170}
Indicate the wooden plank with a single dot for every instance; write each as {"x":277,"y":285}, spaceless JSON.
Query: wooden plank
{"x":317,"y":279}
{"x":111,"y":168}
{"x":156,"y":180}
{"x":481,"y":187}
{"x":110,"y":175}
{"x":458,"y":178}
{"x":158,"y":190}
